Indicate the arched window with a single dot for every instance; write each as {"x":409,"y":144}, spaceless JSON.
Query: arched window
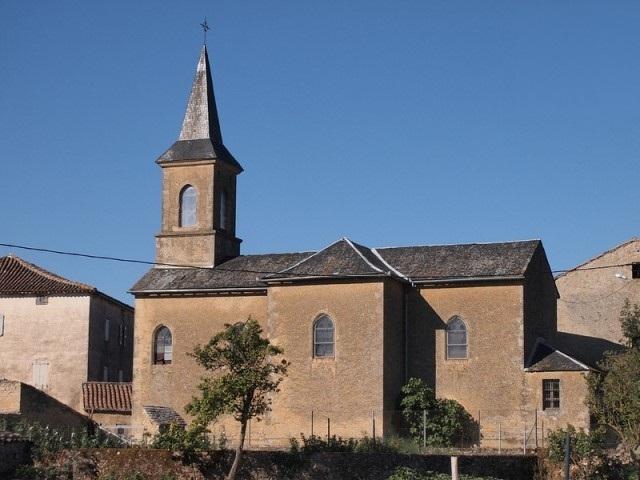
{"x":323,"y":337}
{"x":162,"y":346}
{"x":223,"y":210}
{"x":188,"y":202}
{"x":456,"y":338}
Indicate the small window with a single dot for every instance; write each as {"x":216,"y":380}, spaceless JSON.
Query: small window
{"x":121,"y":333}
{"x":635,"y":270}
{"x":223,"y":210}
{"x":105,"y":374}
{"x":323,"y":337}
{"x":42,"y":300}
{"x":456,"y":338}
{"x":41,"y":374}
{"x":120,"y":376}
{"x":550,"y":394}
{"x":163,"y":347}
{"x":188,"y":202}
{"x":106,"y":329}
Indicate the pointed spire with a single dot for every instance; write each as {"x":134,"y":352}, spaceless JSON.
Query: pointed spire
{"x":201,"y":118}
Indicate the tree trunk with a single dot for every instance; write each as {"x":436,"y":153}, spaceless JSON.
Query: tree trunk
{"x":236,"y":461}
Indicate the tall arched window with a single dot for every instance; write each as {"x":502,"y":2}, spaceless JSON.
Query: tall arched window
{"x":223,"y":210}
{"x":456,"y":338}
{"x":162,"y":346}
{"x":188,"y":202}
{"x":323,"y":337}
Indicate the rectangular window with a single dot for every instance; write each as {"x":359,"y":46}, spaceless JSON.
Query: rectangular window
{"x":42,"y":300}
{"x":106,"y":329}
{"x":41,"y":374}
{"x":550,"y":394}
{"x":1,"y":325}
{"x":120,"y":376}
{"x":105,"y":374}
{"x":121,"y":333}
{"x":635,"y":270}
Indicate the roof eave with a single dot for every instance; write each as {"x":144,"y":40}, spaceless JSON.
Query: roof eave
{"x":477,"y":279}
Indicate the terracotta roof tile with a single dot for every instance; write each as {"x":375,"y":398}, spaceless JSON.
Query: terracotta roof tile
{"x":19,"y":277}
{"x":106,"y":397}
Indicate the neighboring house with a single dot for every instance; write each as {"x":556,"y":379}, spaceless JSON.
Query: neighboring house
{"x":56,"y":334}
{"x":355,"y":322}
{"x":591,"y":298}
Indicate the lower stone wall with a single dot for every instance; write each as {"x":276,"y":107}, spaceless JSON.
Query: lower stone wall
{"x":374,"y":466}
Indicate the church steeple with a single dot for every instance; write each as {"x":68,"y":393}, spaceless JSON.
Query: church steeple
{"x":201,"y":118}
{"x":199,"y":185}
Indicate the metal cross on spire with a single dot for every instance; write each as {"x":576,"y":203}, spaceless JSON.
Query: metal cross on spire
{"x":205,"y":28}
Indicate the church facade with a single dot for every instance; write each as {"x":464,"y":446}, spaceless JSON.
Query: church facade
{"x":474,"y":321}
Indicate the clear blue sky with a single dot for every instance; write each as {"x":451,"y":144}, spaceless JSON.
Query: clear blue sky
{"x":393,"y":123}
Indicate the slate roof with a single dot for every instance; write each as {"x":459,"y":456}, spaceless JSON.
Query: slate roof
{"x":244,"y":271}
{"x":473,"y":260}
{"x":19,"y":277}
{"x":546,"y":358}
{"x":106,"y":397}
{"x":163,"y":415}
{"x":200,"y":137}
{"x":344,"y":258}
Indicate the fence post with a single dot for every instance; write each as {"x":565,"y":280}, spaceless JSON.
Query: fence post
{"x":373,"y":424}
{"x":536,"y":426}
{"x":499,"y":437}
{"x":524,"y":439}
{"x":312,"y":423}
{"x":542,"y":433}
{"x":567,"y":456}
{"x":454,"y":468}
{"x":479,"y":428}
{"x":328,"y":429}
{"x":424,"y":429}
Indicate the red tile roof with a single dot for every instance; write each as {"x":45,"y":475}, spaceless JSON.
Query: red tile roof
{"x":19,"y":277}
{"x":106,"y":397}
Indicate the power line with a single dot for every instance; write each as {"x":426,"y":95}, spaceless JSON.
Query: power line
{"x":219,"y":268}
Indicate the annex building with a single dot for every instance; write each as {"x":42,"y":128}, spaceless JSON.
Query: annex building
{"x":475,"y":321}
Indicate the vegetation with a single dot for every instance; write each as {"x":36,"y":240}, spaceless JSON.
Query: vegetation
{"x":445,"y":422}
{"x":315,"y":443}
{"x":614,"y":391}
{"x":405,"y":473}
{"x":190,"y":442}
{"x":245,"y":377}
{"x":587,"y":452}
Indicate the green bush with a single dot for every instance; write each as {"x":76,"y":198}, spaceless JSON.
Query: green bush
{"x":316,"y":443}
{"x":190,"y":442}
{"x":448,"y":424}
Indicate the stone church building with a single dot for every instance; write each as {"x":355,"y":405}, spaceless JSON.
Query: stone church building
{"x":475,"y":321}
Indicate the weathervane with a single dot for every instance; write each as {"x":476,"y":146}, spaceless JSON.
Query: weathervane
{"x":205,"y":27}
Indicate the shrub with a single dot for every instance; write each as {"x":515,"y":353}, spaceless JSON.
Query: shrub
{"x":447,"y":422}
{"x":316,"y":443}
{"x":190,"y":442}
{"x":405,"y":473}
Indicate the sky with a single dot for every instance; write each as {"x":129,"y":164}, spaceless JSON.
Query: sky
{"x":392,"y":123}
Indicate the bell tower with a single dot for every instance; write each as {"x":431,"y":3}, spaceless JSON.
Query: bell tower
{"x":198,"y":185}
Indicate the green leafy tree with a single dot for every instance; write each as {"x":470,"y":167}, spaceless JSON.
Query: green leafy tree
{"x":587,"y":452}
{"x":245,"y":375}
{"x":614,"y":391}
{"x":447,"y":422}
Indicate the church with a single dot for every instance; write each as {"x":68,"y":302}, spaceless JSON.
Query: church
{"x":475,"y":321}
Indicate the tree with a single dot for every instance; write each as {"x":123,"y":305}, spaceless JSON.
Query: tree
{"x":614,"y":391}
{"x":245,"y":376}
{"x":446,"y":421}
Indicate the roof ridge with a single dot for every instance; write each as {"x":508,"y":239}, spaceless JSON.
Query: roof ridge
{"x":50,"y":275}
{"x":543,"y":341}
{"x":305,"y":259}
{"x":393,"y":269}
{"x":460,"y":244}
{"x":360,"y":254}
